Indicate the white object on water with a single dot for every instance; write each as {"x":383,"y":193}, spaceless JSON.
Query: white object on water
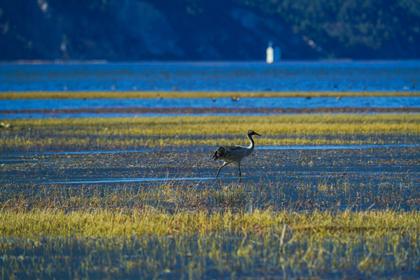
{"x":269,"y":54}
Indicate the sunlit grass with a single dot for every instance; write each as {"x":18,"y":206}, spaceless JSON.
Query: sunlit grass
{"x":287,"y":253}
{"x":227,"y":243}
{"x":106,"y":143}
{"x":195,"y":94}
{"x":106,"y":223}
{"x":203,"y":130}
{"x":94,"y":236}
{"x":319,"y":123}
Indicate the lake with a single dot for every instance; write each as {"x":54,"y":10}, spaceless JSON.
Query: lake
{"x":219,"y":76}
{"x":337,"y":76}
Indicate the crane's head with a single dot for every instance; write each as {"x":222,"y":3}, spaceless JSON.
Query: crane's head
{"x":251,"y":132}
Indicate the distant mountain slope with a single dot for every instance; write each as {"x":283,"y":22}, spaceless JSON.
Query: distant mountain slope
{"x":121,"y":30}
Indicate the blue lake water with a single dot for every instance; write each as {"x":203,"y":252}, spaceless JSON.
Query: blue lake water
{"x":15,"y":109}
{"x":292,"y":102}
{"x":241,"y":76}
{"x":15,"y":157}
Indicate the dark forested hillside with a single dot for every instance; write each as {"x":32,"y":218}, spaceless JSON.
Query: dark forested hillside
{"x":122,"y":30}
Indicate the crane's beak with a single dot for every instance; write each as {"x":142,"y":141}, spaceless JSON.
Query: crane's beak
{"x":257,"y":133}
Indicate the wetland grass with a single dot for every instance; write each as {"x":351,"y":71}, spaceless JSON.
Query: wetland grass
{"x":334,"y":196}
{"x":150,"y":243}
{"x":196,"y":94}
{"x":108,"y":223}
{"x":204,"y":130}
{"x":173,"y":232}
{"x":194,"y":232}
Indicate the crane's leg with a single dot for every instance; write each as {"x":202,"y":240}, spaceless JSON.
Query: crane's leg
{"x":220,"y":168}
{"x":240,"y":174}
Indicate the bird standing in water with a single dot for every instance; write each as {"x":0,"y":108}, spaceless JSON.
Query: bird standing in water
{"x":234,"y":154}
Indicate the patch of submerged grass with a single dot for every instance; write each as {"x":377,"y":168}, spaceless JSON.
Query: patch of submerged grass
{"x":194,"y":94}
{"x":181,"y":131}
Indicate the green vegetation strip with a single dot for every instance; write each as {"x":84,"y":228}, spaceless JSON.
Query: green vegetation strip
{"x":203,"y":130}
{"x":195,"y":94}
{"x":148,"y":245}
{"x":53,"y":240}
{"x":105,"y":223}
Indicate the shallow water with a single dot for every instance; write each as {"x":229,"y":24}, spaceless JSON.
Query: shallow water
{"x":292,"y":102}
{"x":12,"y":157}
{"x":269,"y":176}
{"x":293,"y":177}
{"x":45,"y":108}
{"x":371,"y":165}
{"x":338,"y":147}
{"x":130,"y":180}
{"x":59,"y":115}
{"x":222,"y":76}
{"x":286,"y":76}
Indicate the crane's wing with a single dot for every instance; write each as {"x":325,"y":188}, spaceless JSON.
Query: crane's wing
{"x":219,"y":153}
{"x":225,"y":152}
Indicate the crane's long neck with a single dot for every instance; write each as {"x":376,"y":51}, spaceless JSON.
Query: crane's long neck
{"x":251,"y":145}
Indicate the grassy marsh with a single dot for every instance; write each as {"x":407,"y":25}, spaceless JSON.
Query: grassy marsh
{"x":194,"y":94}
{"x":204,"y":130}
{"x":107,"y":224}
{"x":326,"y":214}
{"x":196,"y":245}
{"x":185,"y":232}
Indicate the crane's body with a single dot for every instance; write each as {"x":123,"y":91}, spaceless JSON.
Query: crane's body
{"x":234,"y":154}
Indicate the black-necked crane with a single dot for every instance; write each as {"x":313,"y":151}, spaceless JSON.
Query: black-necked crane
{"x":234,"y":154}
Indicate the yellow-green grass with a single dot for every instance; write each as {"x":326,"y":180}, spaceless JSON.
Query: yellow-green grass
{"x":207,"y":125}
{"x":195,"y":94}
{"x":108,"y":224}
{"x":80,"y":132}
{"x":148,"y":242}
{"x":175,"y":197}
{"x":152,"y":245}
{"x":27,"y":143}
{"x":205,"y":130}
